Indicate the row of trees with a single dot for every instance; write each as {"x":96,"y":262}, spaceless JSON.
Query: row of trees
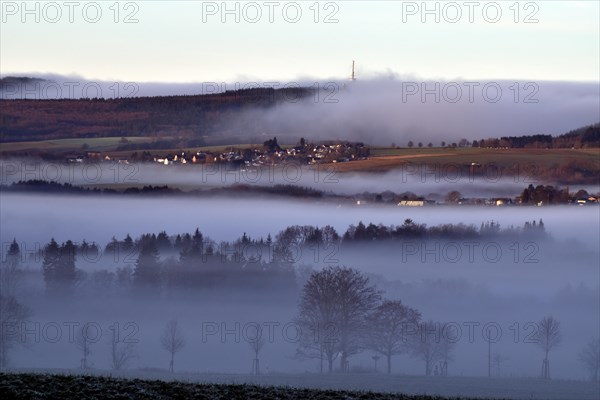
{"x":461,"y":143}
{"x":341,"y":315}
{"x":409,"y":230}
{"x":122,"y":352}
{"x":356,"y":318}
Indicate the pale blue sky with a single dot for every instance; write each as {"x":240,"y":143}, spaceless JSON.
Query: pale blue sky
{"x":171,"y":43}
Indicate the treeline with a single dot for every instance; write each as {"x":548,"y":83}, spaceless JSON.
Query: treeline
{"x":352,"y":316}
{"x":283,"y":247}
{"x":42,"y":186}
{"x":532,"y":195}
{"x":588,"y":136}
{"x":155,"y":265}
{"x":160,"y":262}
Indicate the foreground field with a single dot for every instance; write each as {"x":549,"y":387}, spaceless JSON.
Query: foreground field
{"x":161,"y":384}
{"x":36,"y":386}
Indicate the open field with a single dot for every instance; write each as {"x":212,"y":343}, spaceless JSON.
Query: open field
{"x":385,"y":159}
{"x":76,"y":145}
{"x":212,"y":149}
{"x":108,"y":146}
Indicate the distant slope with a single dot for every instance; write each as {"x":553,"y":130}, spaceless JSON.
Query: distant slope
{"x":12,"y":81}
{"x":190,"y":117}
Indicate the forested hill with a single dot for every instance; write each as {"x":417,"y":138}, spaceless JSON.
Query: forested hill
{"x":190,"y":117}
{"x":587,"y":136}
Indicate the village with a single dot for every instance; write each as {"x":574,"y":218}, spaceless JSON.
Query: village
{"x":273,"y":154}
{"x":268,"y":154}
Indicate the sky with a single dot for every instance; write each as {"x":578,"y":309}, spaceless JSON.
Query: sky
{"x":196,"y":41}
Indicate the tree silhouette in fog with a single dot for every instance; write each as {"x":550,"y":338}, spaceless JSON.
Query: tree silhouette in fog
{"x":84,"y":343}
{"x":389,"y":326}
{"x":121,"y":352}
{"x":172,"y":340}
{"x":12,"y":316}
{"x":59,"y":267}
{"x":11,"y":272}
{"x":431,"y":343}
{"x":12,"y":313}
{"x":192,"y":248}
{"x":256,"y":344}
{"x":590,"y":358}
{"x":146,"y":274}
{"x":333,"y":307}
{"x":547,"y":337}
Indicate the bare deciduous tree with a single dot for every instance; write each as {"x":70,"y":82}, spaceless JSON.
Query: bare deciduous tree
{"x":590,"y":358}
{"x":424,"y":344}
{"x":317,"y":342}
{"x":432,"y":343}
{"x":316,"y":319}
{"x":445,"y":347}
{"x":389,"y":325}
{"x":172,"y":340}
{"x":83,"y":342}
{"x":256,"y":345}
{"x":121,"y":353}
{"x":547,"y":337}
{"x":333,"y":308}
{"x":12,"y":314}
{"x":497,"y":360}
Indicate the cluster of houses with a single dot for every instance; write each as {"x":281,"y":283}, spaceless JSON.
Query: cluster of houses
{"x":272,"y":155}
{"x":582,"y":201}
{"x":591,"y":200}
{"x":499,"y":202}
{"x":268,"y":154}
{"x":463,"y":201}
{"x":92,"y":156}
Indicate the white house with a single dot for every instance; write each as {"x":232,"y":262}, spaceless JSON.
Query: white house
{"x":411,"y":203}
